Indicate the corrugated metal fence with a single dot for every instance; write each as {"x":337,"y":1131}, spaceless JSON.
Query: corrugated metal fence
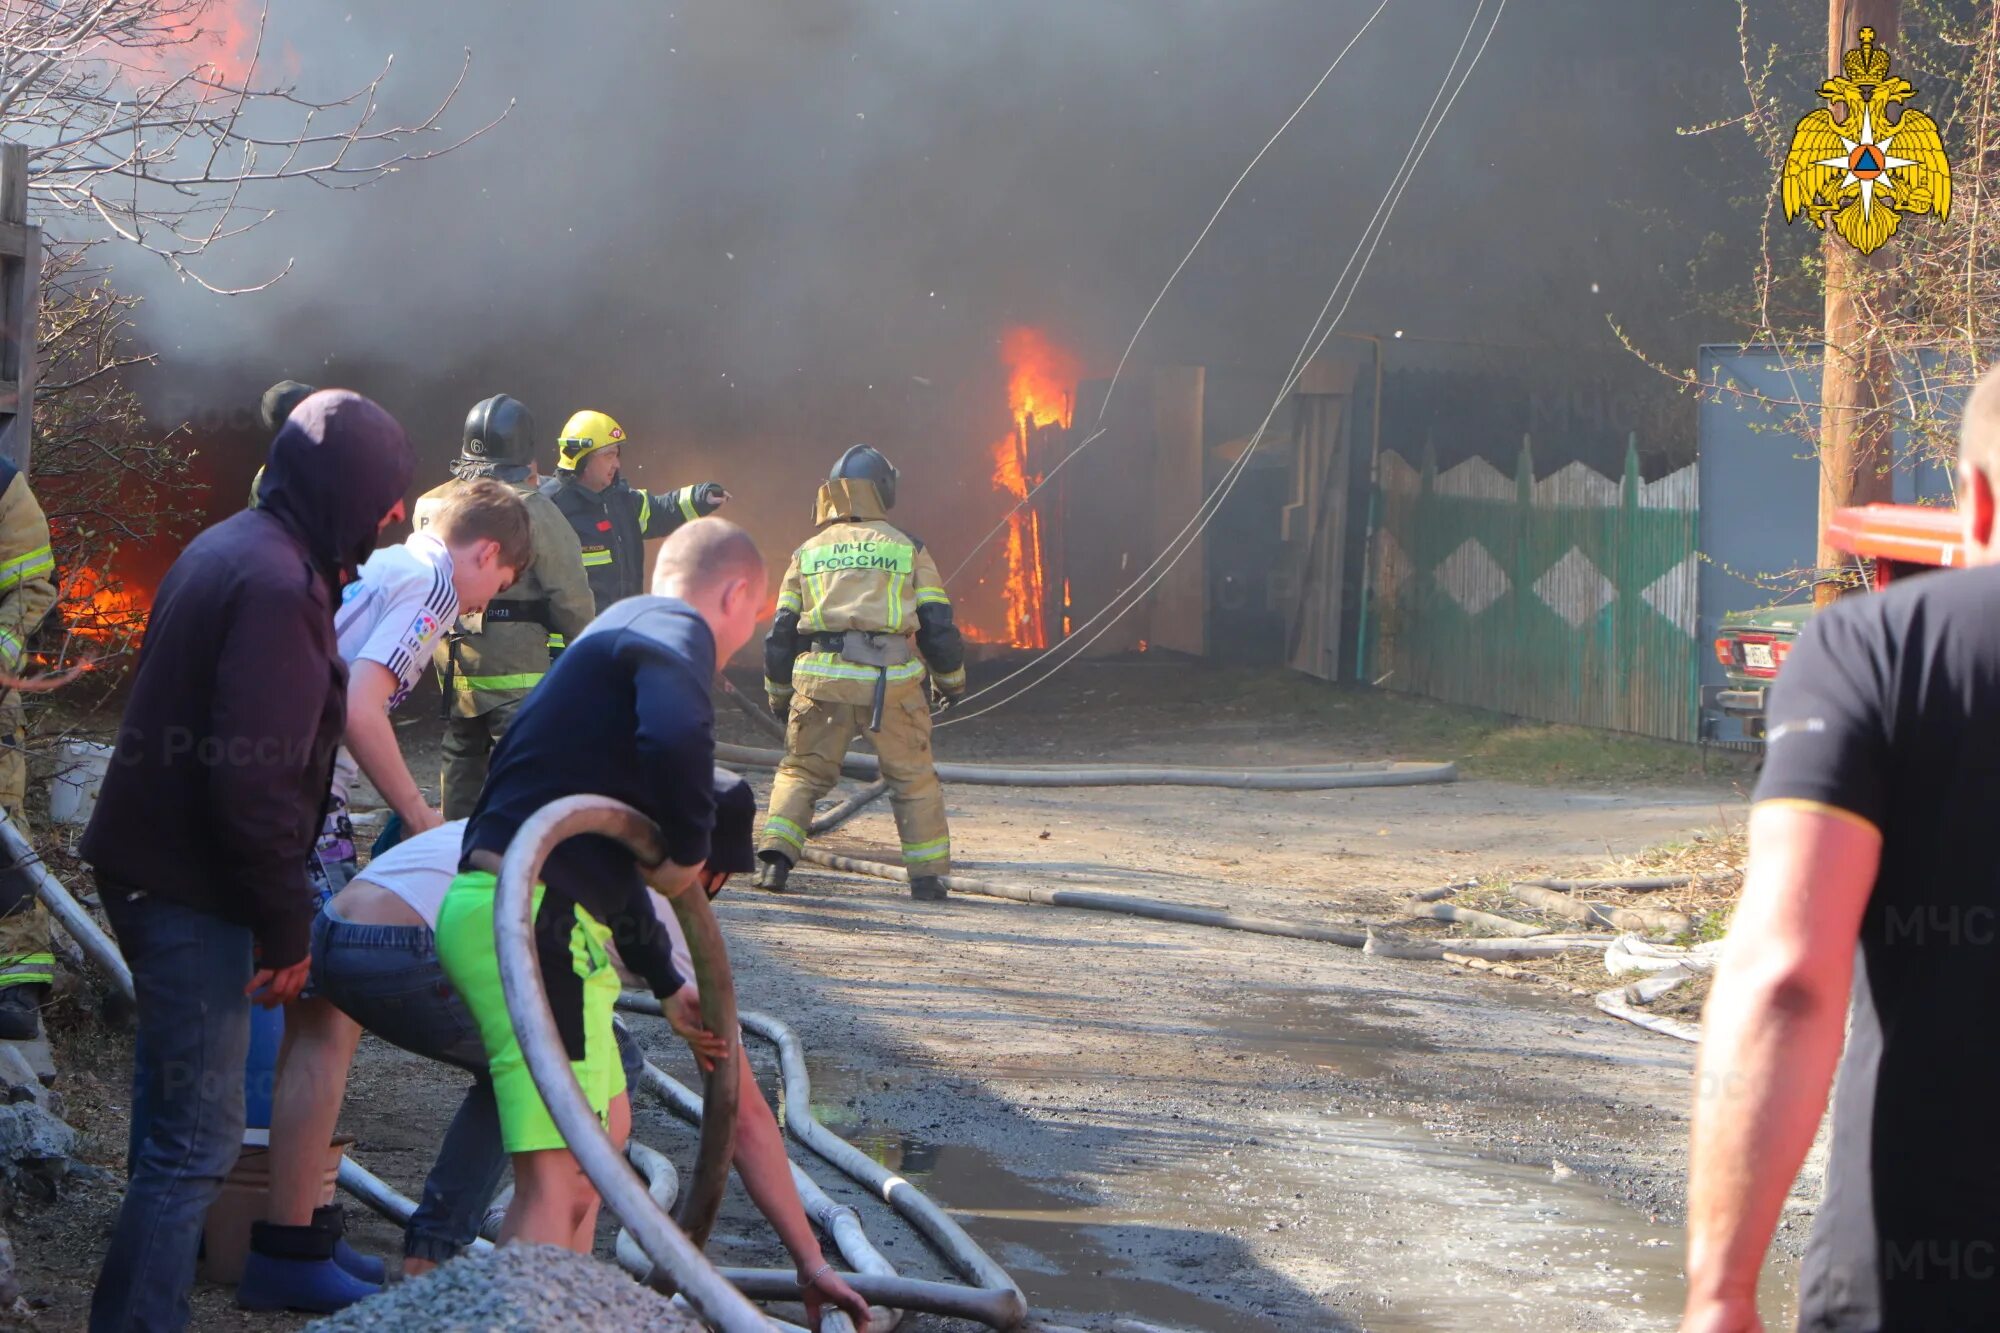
{"x":1570,"y":599}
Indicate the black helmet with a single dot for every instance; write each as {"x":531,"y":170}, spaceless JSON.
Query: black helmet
{"x":278,"y":402}
{"x":864,"y":462}
{"x":499,"y":440}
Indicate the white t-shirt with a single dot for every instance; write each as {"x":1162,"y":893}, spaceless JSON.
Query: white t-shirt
{"x":393,"y":615}
{"x":420,"y":870}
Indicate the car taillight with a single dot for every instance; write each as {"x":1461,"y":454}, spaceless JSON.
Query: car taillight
{"x":1725,"y":651}
{"x":1780,"y":649}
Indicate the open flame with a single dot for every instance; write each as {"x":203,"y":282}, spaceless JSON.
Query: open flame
{"x":215,"y":41}
{"x":102,"y":607}
{"x":1041,"y":378}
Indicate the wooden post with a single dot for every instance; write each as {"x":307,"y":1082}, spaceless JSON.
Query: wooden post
{"x":1855,"y":447}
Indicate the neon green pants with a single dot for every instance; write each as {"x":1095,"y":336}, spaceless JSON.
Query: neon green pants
{"x":583,"y":993}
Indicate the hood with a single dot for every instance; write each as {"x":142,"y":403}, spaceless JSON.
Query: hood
{"x":847,"y":498}
{"x":337,"y":465}
{"x":472,"y":469}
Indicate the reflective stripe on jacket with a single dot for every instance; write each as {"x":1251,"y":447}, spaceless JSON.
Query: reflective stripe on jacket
{"x":500,"y":662}
{"x":27,"y":566}
{"x":859,"y":572}
{"x":613,"y":526}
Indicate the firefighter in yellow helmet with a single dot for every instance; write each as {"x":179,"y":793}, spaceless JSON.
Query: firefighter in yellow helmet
{"x":489,"y":667}
{"x":27,"y":591}
{"x":612,"y":520}
{"x":861,"y":615}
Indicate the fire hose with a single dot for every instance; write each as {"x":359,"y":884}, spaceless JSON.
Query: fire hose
{"x":378,"y":1195}
{"x":994,"y":1299}
{"x":1283,"y":777}
{"x":675,"y":1251}
{"x":1152,"y":909}
{"x":838,"y":1221}
{"x":1299,"y":777}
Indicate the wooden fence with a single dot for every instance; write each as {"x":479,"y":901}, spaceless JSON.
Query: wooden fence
{"x":1569,"y":599}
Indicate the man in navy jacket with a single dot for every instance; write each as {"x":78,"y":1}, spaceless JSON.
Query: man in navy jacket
{"x":209,"y":811}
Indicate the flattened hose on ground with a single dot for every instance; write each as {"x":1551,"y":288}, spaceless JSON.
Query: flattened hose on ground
{"x":1153,"y":909}
{"x":676,"y":1254}
{"x":64,"y":907}
{"x":995,"y":1298}
{"x":836,"y":1220}
{"x":1303,"y":777}
{"x":959,"y":1249}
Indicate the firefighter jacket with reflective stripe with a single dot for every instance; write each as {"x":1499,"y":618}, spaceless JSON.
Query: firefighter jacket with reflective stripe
{"x":613,"y":526}
{"x":27,"y":568}
{"x":488,"y":661}
{"x":859,"y":572}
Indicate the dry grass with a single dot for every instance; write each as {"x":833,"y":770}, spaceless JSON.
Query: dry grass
{"x":1712,"y":859}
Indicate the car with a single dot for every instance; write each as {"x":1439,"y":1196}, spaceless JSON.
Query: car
{"x":1751,"y":646}
{"x":1889,"y":541}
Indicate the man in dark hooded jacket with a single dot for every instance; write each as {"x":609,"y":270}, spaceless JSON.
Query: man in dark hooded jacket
{"x":209,"y":811}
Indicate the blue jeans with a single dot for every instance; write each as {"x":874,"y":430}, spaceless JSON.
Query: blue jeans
{"x":388,"y":979}
{"x":190,"y":970}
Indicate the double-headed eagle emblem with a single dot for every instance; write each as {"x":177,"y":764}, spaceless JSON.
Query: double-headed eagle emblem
{"x":1862,"y":172}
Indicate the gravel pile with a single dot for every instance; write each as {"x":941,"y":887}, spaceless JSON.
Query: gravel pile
{"x":517,"y":1289}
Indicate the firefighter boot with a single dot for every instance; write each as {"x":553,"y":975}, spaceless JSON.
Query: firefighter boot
{"x":927,"y":888}
{"x":293,"y":1268}
{"x":773,"y":870}
{"x":21,"y":1010}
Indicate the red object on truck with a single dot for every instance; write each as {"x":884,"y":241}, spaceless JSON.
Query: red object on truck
{"x":1900,"y":539}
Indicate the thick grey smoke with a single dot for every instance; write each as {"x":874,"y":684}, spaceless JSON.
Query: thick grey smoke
{"x":756,"y":232}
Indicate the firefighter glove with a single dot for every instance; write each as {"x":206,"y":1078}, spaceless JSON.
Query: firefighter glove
{"x":708,"y":497}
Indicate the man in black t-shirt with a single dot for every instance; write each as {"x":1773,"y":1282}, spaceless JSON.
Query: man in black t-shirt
{"x":1872,"y":872}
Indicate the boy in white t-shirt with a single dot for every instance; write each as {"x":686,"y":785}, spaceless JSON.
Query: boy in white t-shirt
{"x":389,"y":621}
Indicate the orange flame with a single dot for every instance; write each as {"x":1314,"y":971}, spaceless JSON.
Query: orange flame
{"x":219,"y":37}
{"x":1040,"y":381}
{"x":103,"y":608}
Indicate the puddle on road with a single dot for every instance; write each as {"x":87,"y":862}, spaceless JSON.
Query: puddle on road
{"x":1507,"y":1242}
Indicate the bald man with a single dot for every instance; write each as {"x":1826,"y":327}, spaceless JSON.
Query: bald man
{"x":1871,"y":844}
{"x":624,"y":713}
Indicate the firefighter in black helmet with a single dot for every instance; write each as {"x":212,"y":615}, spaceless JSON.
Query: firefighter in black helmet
{"x":489,"y":665}
{"x":862,"y":618}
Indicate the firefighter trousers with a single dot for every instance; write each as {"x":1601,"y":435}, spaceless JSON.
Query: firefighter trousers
{"x":816,"y":740}
{"x":468,"y":748}
{"x":26,"y":955}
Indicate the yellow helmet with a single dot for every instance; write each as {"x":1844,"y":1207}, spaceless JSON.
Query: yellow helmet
{"x":583,"y":435}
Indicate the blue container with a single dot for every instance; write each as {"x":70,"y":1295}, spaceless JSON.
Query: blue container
{"x":260,"y":1070}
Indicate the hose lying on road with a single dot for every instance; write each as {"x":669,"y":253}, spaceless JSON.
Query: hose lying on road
{"x":1007,"y":1306}
{"x":836,"y":1220}
{"x":64,"y":907}
{"x":994,"y":1298}
{"x":1300,"y":777}
{"x":676,"y":1253}
{"x":1152,"y":909}
{"x":849,"y":808}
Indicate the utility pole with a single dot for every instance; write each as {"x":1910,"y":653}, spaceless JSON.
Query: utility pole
{"x":1855,"y":447}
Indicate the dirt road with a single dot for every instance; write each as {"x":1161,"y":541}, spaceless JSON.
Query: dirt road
{"x":1205,"y":1129}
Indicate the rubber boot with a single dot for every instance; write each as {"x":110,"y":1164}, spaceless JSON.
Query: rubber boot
{"x":927,"y":888}
{"x":773,"y":870}
{"x":292,"y":1268}
{"x":21,"y":1011}
{"x":364,"y":1266}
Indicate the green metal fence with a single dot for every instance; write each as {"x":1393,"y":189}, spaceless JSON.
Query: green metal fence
{"x":1569,"y":599}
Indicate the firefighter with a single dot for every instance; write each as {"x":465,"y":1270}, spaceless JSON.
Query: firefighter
{"x":272,"y":410}
{"x":861,"y":614}
{"x":27,"y":591}
{"x":612,"y":520}
{"x":488,"y":665}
